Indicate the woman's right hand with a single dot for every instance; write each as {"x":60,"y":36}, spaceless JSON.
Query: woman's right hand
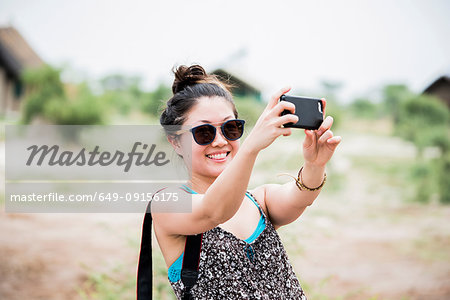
{"x":269,"y":124}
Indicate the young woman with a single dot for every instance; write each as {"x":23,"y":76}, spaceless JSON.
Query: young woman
{"x":241,"y":256}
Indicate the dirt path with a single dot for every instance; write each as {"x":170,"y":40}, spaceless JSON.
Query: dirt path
{"x":49,"y":256}
{"x":359,"y":243}
{"x":364,"y":241}
{"x":359,"y":246}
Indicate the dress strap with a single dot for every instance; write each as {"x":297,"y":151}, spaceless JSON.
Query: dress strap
{"x":250,"y":195}
{"x":188,"y":189}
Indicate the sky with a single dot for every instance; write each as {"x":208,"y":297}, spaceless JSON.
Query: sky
{"x":361,"y":44}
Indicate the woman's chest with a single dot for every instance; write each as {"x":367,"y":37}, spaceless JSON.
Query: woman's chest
{"x":244,"y":223}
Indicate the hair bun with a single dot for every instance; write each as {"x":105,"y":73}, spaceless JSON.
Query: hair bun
{"x":185,"y":76}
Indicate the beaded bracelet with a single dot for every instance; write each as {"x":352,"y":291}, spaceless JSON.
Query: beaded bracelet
{"x":301,"y":186}
{"x":299,"y":181}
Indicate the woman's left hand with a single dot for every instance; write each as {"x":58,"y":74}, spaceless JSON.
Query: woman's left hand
{"x":319,"y":145}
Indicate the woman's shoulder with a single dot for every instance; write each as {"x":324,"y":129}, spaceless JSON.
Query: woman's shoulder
{"x":173,"y":200}
{"x":259,"y":194}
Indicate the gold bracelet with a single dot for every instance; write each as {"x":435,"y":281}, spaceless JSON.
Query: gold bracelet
{"x":301,"y":186}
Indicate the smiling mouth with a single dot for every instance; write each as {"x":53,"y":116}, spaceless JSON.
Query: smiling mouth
{"x":218,"y":156}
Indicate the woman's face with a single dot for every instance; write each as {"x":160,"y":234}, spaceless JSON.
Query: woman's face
{"x":210,"y":160}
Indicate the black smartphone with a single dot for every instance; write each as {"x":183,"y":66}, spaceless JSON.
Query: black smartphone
{"x":309,"y":112}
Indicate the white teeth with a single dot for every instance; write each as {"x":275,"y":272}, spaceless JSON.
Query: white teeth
{"x":218,"y":156}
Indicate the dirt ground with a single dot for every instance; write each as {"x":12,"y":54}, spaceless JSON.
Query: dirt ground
{"x":362,"y":246}
{"x":362,"y":242}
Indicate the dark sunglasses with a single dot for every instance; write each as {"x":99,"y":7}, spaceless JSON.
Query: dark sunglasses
{"x":206,"y":133}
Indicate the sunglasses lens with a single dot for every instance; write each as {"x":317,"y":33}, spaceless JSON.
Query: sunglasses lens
{"x":204,"y":134}
{"x":233,"y":129}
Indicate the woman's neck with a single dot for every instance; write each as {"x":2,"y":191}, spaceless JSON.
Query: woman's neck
{"x":201,"y":184}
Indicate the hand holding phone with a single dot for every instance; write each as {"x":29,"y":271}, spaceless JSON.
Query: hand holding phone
{"x":308,"y":110}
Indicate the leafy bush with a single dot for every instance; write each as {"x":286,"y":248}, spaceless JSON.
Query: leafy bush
{"x":423,"y":120}
{"x":423,"y":177}
{"x":43,"y":85}
{"x":47,"y":98}
{"x":249,"y":109}
{"x":121,"y":93}
{"x":443,"y":179}
{"x":118,"y":101}
{"x":394,"y":96}
{"x":152,"y":103}
{"x":83,"y":109}
{"x":364,"y":108}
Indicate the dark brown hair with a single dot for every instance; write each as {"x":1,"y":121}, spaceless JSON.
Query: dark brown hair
{"x":190,"y":84}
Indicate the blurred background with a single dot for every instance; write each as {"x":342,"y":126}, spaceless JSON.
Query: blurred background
{"x":380,"y":228}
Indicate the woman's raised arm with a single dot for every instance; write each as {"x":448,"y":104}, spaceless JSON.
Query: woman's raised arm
{"x":285,"y":203}
{"x":224,"y":196}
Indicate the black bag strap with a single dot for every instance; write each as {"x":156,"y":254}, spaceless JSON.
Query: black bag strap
{"x":191,"y":261}
{"x":145,"y":266}
{"x":189,"y":270}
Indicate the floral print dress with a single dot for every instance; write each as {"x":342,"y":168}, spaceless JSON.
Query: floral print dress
{"x":232,"y":268}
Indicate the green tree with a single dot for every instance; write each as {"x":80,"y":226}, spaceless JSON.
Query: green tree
{"x":83,"y":108}
{"x":394,"y":95}
{"x":43,"y":85}
{"x":423,"y":120}
{"x":443,"y":178}
{"x":365,"y":108}
{"x":153,"y":102}
{"x":121,"y":93}
{"x":48,"y":98}
{"x":249,"y":109}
